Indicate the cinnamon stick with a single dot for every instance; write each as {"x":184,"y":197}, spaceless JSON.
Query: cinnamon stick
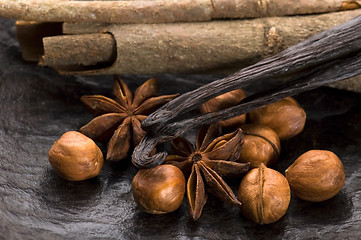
{"x":78,"y":51}
{"x":185,"y":47}
{"x":163,"y":11}
{"x":30,"y":35}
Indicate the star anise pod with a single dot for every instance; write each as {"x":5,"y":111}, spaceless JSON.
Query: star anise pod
{"x":119,"y":119}
{"x":212,"y":158}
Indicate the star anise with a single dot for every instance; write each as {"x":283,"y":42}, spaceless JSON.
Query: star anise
{"x":119,"y":119}
{"x":212,"y":158}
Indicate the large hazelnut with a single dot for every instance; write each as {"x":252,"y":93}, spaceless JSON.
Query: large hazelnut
{"x":264,"y":194}
{"x":76,"y":157}
{"x":285,"y":117}
{"x":224,"y":101}
{"x":316,"y":175}
{"x":260,"y":145}
{"x":159,"y":190}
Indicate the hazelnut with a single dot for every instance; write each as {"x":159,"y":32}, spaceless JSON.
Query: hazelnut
{"x":159,"y":190}
{"x":285,"y":117}
{"x":264,"y":194}
{"x":76,"y":157}
{"x":316,"y":175}
{"x":224,"y":101}
{"x":260,"y":145}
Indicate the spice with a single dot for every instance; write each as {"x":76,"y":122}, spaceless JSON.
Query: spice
{"x":159,"y":190}
{"x":173,"y":44}
{"x":331,"y":62}
{"x":265,"y":195}
{"x":211,"y":159}
{"x":261,"y":145}
{"x":286,"y":117}
{"x":76,"y":157}
{"x":224,"y":101}
{"x":161,"y":10}
{"x":119,"y":119}
{"x":316,"y":175}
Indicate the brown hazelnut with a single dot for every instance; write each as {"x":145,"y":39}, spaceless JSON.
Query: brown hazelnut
{"x":264,"y":194}
{"x":260,"y":145}
{"x":159,"y":190}
{"x":224,"y":101}
{"x":316,"y":175}
{"x":285,"y":117}
{"x":76,"y":157}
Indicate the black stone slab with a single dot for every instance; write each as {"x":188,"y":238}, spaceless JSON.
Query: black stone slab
{"x":38,"y":106}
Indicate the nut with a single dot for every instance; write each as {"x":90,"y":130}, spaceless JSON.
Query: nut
{"x":265,"y":195}
{"x":224,"y":101}
{"x":159,"y":190}
{"x":260,"y":145}
{"x":76,"y":157}
{"x":316,"y":175}
{"x":285,"y":117}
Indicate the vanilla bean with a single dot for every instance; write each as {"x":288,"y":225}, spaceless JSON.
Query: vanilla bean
{"x":324,"y":58}
{"x":293,"y":63}
{"x":328,"y":73}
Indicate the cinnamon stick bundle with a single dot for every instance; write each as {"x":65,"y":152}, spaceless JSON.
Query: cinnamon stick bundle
{"x":180,"y":47}
{"x":163,"y":11}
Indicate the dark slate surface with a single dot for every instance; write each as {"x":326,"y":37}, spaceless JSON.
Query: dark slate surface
{"x":38,"y":105}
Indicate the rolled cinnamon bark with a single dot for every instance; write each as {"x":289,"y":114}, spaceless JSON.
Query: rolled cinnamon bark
{"x":163,"y":11}
{"x":79,"y":51}
{"x":185,"y":47}
{"x":30,"y":35}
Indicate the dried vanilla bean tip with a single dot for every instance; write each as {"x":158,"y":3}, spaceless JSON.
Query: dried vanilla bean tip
{"x":328,"y":57}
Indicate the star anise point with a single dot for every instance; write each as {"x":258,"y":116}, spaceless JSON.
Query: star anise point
{"x":208,"y":162}
{"x":119,"y":119}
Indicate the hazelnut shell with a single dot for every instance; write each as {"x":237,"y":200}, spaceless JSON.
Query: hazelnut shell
{"x":285,"y":117}
{"x":260,"y":145}
{"x":316,"y":175}
{"x":76,"y":157}
{"x":159,"y":190}
{"x":224,"y":101}
{"x":265,"y":195}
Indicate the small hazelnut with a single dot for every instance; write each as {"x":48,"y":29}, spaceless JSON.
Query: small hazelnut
{"x":264,"y":194}
{"x":260,"y":145}
{"x":159,"y":190}
{"x":316,"y":175}
{"x":285,"y":117}
{"x":76,"y":157}
{"x":224,"y":101}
